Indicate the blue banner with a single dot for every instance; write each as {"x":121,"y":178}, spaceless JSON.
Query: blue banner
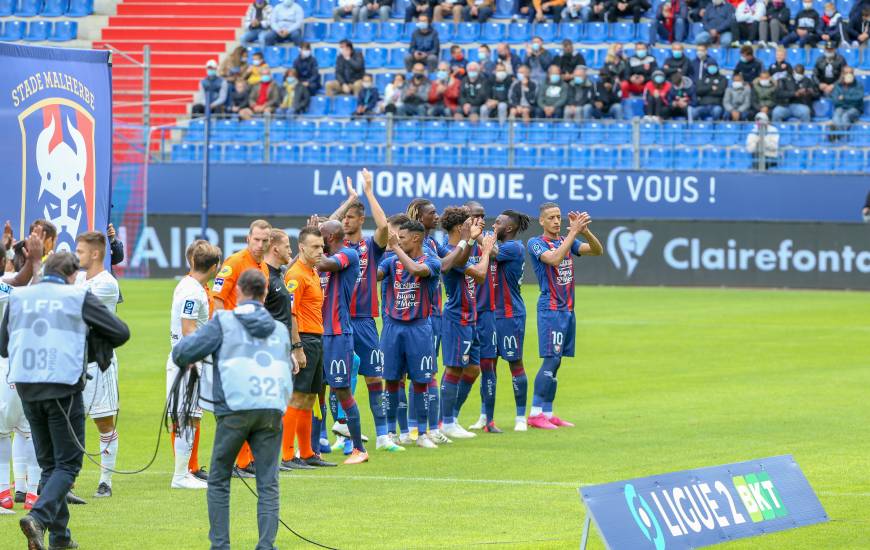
{"x":702,"y":507}
{"x":280,"y":189}
{"x":56,"y":123}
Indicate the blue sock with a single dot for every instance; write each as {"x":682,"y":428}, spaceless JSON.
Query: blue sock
{"x":432,"y":405}
{"x":420,"y":407}
{"x":487,"y":387}
{"x":353,"y":422}
{"x":376,"y":403}
{"x":521,"y":387}
{"x":441,"y":385}
{"x":466,"y":382}
{"x":393,"y":403}
{"x":412,"y":406}
{"x":323,"y":433}
{"x":401,"y":414}
{"x":544,"y":381}
{"x":551,"y":393}
{"x":316,"y":424}
{"x":449,"y":392}
{"x":334,"y":408}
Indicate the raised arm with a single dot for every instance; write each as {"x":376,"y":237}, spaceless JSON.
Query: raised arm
{"x":33,"y":252}
{"x":381,"y":233}
{"x":479,"y":271}
{"x":471,"y":229}
{"x":352,"y":196}
{"x":592,"y":246}
{"x":555,"y":257}
{"x":414,"y":268}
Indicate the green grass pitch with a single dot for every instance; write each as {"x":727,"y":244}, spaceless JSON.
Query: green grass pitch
{"x":664,"y":380}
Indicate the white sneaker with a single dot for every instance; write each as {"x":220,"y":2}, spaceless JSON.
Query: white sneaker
{"x":394,"y":438}
{"x":456,"y":431}
{"x":425,"y":443}
{"x":405,"y":439}
{"x":521,"y":425}
{"x":438,"y":437}
{"x":341,"y":429}
{"x":386,"y":443}
{"x":187,"y":481}
{"x":480,"y":424}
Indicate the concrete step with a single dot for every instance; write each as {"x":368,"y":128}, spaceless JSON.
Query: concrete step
{"x":177,"y":8}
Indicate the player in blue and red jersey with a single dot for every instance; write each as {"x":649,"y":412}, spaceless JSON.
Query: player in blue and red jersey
{"x":339,"y":271}
{"x":554,"y":268}
{"x":459,"y":322}
{"x":406,"y":338}
{"x":510,"y":310}
{"x":364,"y":300}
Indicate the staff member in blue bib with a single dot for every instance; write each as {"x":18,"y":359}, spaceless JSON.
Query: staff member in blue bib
{"x":252,"y":385}
{"x":50,"y":332}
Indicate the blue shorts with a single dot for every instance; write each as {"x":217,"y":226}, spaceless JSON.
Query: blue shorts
{"x":510,"y":333}
{"x":460,"y":345}
{"x":408,"y":350}
{"x":338,"y":360}
{"x":556,"y":333}
{"x":436,"y":322}
{"x":367,"y":347}
{"x":486,"y":335}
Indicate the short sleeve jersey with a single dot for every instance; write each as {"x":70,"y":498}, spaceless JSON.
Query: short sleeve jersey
{"x":224,"y":287}
{"x":556,"y":283}
{"x":432,"y":248}
{"x":509,"y":275}
{"x":103,"y":286}
{"x":486,"y":290}
{"x":338,"y":289}
{"x":461,"y":294}
{"x":408,"y":297}
{"x":189,"y":301}
{"x":364,"y":300}
{"x":306,"y":297}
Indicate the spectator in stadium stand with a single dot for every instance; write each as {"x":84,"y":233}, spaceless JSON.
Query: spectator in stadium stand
{"x":748,"y":66}
{"x":779,"y":65}
{"x":416,"y":97}
{"x":859,"y":27}
{"x":498,"y":102}
{"x":700,"y":63}
{"x":807,"y":89}
{"x":547,"y":8}
{"x":763,"y":92}
{"x":624,"y":9}
{"x":212,"y":89}
{"x":581,"y":93}
{"x":607,"y":102}
{"x":425,"y":46}
{"x":233,"y":65}
{"x":748,"y":16}
{"x":568,"y":60}
{"x":446,"y":8}
{"x":350,"y":67}
{"x":444,"y":91}
{"x":252,"y":71}
{"x":238,"y":100}
{"x":285,"y":24}
{"x":256,"y":21}
{"x":806,"y":23}
{"x":848,"y":98}
{"x":737,"y":102}
{"x":343,"y":8}
{"x":615,"y":61}
{"x":677,"y":61}
{"x":523,"y":95}
{"x":599,"y":11}
{"x":394,"y":94}
{"x":681,"y":98}
{"x":538,"y":59}
{"x":776,"y":23}
{"x":307,"y":70}
{"x":484,"y":58}
{"x":416,"y":8}
{"x":828,"y":68}
{"x":473,"y":92}
{"x":857,"y":8}
{"x":265,"y":96}
{"x":641,"y":66}
{"x":457,"y":59}
{"x":368,"y":97}
{"x":711,"y":90}
{"x":696,"y":9}
{"x":767,"y":148}
{"x":381,"y":8}
{"x":552,"y":95}
{"x":785,"y":106}
{"x":510,"y":61}
{"x":478,"y":10}
{"x":833,"y":27}
{"x":717,"y":21}
{"x":655,"y":97}
{"x":670,"y":22}
{"x":296,"y":98}
{"x":577,"y":11}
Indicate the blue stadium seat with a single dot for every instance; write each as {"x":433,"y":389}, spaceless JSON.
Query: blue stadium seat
{"x":398,"y":11}
{"x":370,"y":154}
{"x":565,"y":133}
{"x":488,"y":132}
{"x":375,"y":58}
{"x":324,"y":9}
{"x":275,"y":56}
{"x":466,"y":33}
{"x":325,"y":56}
{"x":339,"y":31}
{"x":279,"y":130}
{"x":686,"y":158}
{"x":519,"y":33}
{"x":339,"y":154}
{"x":223,"y":130}
{"x":308,"y":6}
{"x":406,"y":131}
{"x":525,"y":156}
{"x":314,"y":32}
{"x":290,"y":56}
{"x":473,"y":154}
{"x":235,"y":153}
{"x":787,"y":134}
{"x":864,"y":79}
{"x":548,"y":32}
{"x":592,"y":133}
{"x":444,"y":30}
{"x":37,"y":31}
{"x":727,"y":134}
{"x":54,"y":8}
{"x":250,"y":130}
{"x":343,"y":105}
{"x":446,"y":155}
{"x":713,"y":158}
{"x":591,"y":57}
{"x":354,"y":131}
{"x":505,"y":8}
{"x":623,"y":32}
{"x":312,"y":153}
{"x":418,"y":155}
{"x":718,"y":54}
{"x":659,"y":158}
{"x":182,"y":152}
{"x":7,"y":8}
{"x":537,"y":132}
{"x":642,"y":31}
{"x":810,"y":135}
{"x":859,"y":135}
{"x":80,"y":8}
{"x":699,"y":133}
{"x":195,"y":131}
{"x":497,"y":156}
{"x":571,"y":31}
{"x":493,"y":32}
{"x":824,"y":160}
{"x":319,"y":106}
{"x":28,"y":8}
{"x":673,"y":133}
{"x":459,"y":132}
{"x":851,"y":55}
{"x":329,"y":131}
{"x":694,"y":30}
{"x":632,"y":108}
{"x":553,"y":156}
{"x":215,"y":152}
{"x":851,"y":160}
{"x":301,"y":130}
{"x":617,"y":133}
{"x":434,"y":131}
{"x":408,"y":31}
{"x":650,"y":133}
{"x":661,"y":54}
{"x":794,"y":159}
{"x":578,"y":156}
{"x":766,"y":55}
{"x":596,"y":32}
{"x":397,"y":58}
{"x":823,"y":110}
{"x":365,"y":32}
{"x":795,"y":56}
{"x":845,"y":6}
{"x":739,"y":159}
{"x":377,"y":132}
{"x":390,"y":32}
{"x":604,"y":158}
{"x":13,"y":30}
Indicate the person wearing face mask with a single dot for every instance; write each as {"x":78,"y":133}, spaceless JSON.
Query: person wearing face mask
{"x":425,"y":45}
{"x":775,"y":26}
{"x":641,"y":66}
{"x":473,"y":92}
{"x":748,"y":16}
{"x":806,"y":24}
{"x":763,"y":143}
{"x":285,"y":24}
{"x":350,"y":67}
{"x":444,"y":92}
{"x":256,"y":21}
{"x":677,"y":61}
{"x":344,"y":8}
{"x":655,"y":97}
{"x":499,"y":86}
{"x":807,"y":89}
{"x":711,"y":91}
{"x":859,"y":27}
{"x":252,"y":71}
{"x":607,"y":102}
{"x":458,"y":63}
{"x":212,"y":89}
{"x":296,"y":96}
{"x":506,"y":57}
{"x":716,"y":22}
{"x":416,"y":97}
{"x":569,"y":60}
{"x":788,"y":104}
{"x":394,"y":94}
{"x":848,"y":100}
{"x":371,"y":8}
{"x":672,"y":19}
{"x":779,"y":65}
{"x":265,"y":96}
{"x":828,"y":68}
{"x":615,"y":61}
{"x":763,"y":90}
{"x":523,"y":95}
{"x":737,"y":101}
{"x":478,"y":10}
{"x":623,"y":9}
{"x":484,"y":58}
{"x":681,"y":97}
{"x":581,"y":94}
{"x":538,"y":59}
{"x":307,"y":70}
{"x":233,"y":65}
{"x":833,"y":26}
{"x":238,"y":100}
{"x":552,"y":95}
{"x":749,"y":67}
{"x":368,"y":97}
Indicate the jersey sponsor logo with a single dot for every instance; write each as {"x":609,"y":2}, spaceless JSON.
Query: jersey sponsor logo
{"x":376,"y":357}
{"x":218,"y":284}
{"x":337,"y":367}
{"x":510,"y":343}
{"x":538,"y":249}
{"x":225,"y":272}
{"x":292,"y":285}
{"x":626,"y":247}
{"x":188,"y":307}
{"x":6,"y":289}
{"x":426,"y":363}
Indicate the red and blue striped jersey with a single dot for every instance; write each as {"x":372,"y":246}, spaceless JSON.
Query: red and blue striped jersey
{"x":556,"y":283}
{"x":364,"y":301}
{"x":432,"y":248}
{"x":408,"y":297}
{"x":337,"y":291}
{"x":485,"y":291}
{"x":509,"y":276}
{"x":461,"y":294}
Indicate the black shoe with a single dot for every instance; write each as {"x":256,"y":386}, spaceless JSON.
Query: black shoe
{"x":318,"y":462}
{"x":20,"y":496}
{"x":34,"y":531}
{"x":299,"y":464}
{"x":285,"y":466}
{"x":68,"y":544}
{"x":200,"y":474}
{"x":242,"y":473}
{"x":72,"y":498}
{"x":103,"y":491}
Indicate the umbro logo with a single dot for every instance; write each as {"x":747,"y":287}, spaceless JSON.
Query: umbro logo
{"x":626,"y":247}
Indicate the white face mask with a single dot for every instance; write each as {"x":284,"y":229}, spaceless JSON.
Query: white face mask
{"x":737,"y":85}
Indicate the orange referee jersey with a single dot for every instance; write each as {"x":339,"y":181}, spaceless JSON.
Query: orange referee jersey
{"x":303,"y":283}
{"x":224,"y":286}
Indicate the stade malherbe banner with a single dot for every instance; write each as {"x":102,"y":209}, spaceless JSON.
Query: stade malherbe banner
{"x":56,"y":123}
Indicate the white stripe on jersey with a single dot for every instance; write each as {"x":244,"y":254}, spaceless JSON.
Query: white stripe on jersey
{"x":189,"y":301}
{"x":103,"y":286}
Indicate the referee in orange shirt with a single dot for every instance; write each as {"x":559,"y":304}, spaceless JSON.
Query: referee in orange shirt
{"x":303,"y":282}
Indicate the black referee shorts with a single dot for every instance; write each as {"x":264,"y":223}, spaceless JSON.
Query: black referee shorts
{"x":310,"y":379}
